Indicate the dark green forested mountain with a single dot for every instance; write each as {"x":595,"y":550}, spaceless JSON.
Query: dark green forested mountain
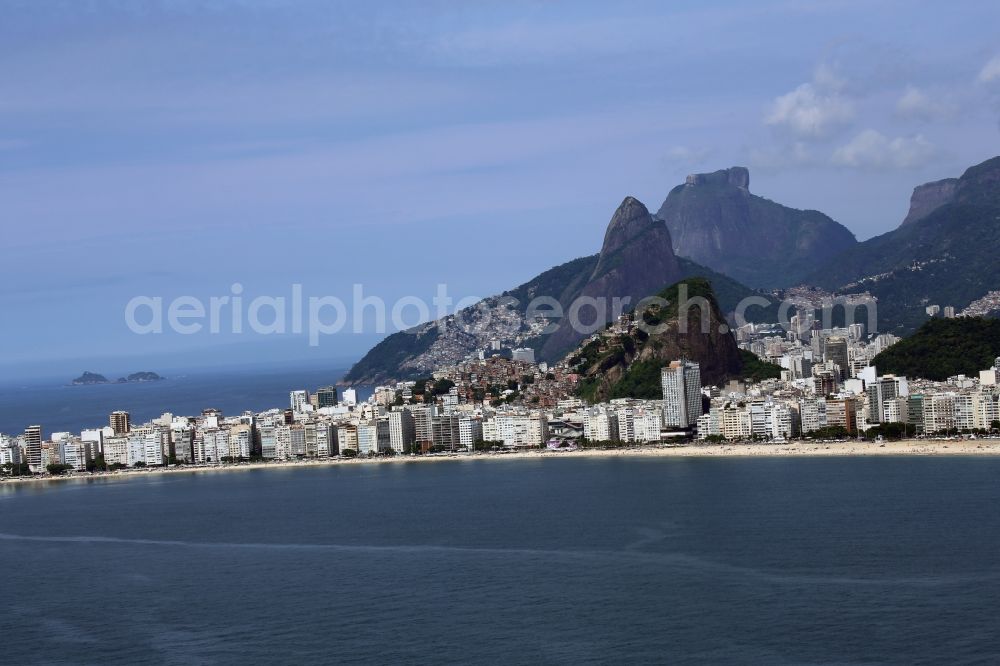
{"x":942,"y":348}
{"x":945,"y":255}
{"x":715,"y":221}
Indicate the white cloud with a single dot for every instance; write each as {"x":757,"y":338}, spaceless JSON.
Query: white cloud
{"x":990,"y":71}
{"x":813,"y":110}
{"x":873,"y":150}
{"x":916,"y":104}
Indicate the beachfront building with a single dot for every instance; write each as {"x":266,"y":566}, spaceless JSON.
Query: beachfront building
{"x":347,"y":438}
{"x":600,"y":425}
{"x":811,"y":414}
{"x":470,"y":431}
{"x":266,"y":433}
{"x":517,"y":430}
{"x":33,"y":447}
{"x":681,"y":384}
{"x":648,"y":424}
{"x":402,"y":431}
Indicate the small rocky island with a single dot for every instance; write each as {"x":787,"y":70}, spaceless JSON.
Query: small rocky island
{"x":89,"y":378}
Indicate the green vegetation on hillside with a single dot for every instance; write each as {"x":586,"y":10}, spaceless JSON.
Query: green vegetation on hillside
{"x":637,"y":358}
{"x":729,"y":293}
{"x":757,"y":370}
{"x":942,"y":348}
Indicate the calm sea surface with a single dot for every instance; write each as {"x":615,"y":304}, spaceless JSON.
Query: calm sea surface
{"x":886,"y":560}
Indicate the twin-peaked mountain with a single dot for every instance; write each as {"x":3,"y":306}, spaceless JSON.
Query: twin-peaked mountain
{"x":636,"y":260}
{"x":715,"y":221}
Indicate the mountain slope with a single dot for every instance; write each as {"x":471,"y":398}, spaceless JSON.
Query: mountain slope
{"x":714,"y":220}
{"x":620,"y":363}
{"x":945,"y":257}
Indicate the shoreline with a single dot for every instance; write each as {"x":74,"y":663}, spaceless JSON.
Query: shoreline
{"x":799,"y":448}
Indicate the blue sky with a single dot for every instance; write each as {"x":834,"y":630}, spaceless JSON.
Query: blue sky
{"x":174,"y":148}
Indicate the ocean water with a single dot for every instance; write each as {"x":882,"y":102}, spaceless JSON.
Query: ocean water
{"x":564,"y":561}
{"x":59,"y":407}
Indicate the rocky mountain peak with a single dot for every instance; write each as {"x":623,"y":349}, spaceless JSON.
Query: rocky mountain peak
{"x":978,"y":184}
{"x":928,"y":197}
{"x":734,"y":176}
{"x":716,"y":221}
{"x":631,"y":219}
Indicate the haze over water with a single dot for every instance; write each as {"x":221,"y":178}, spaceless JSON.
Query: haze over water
{"x":57,"y":406}
{"x":783,"y":560}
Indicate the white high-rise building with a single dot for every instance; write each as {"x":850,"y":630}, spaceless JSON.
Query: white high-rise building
{"x":73,"y":453}
{"x":299,"y":400}
{"x":709,"y":424}
{"x":368,"y":437}
{"x":282,"y":442}
{"x":939,"y":412}
{"x":153,"y":448}
{"x":470,"y":431}
{"x":681,"y":383}
{"x":987,"y":409}
{"x":812,"y":415}
{"x":516,"y":430}
{"x":626,"y":424}
{"x":402,"y":433}
{"x":965,"y":411}
{"x":116,"y":450}
{"x":423,"y":424}
{"x":882,"y":390}
{"x":600,"y":426}
{"x":240,"y":438}
{"x":648,"y":424}
{"x":136,"y":450}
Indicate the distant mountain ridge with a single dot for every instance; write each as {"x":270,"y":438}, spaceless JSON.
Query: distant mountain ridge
{"x":715,"y":221}
{"x":944,"y":253}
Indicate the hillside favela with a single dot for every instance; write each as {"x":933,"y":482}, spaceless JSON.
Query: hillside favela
{"x":509,"y":332}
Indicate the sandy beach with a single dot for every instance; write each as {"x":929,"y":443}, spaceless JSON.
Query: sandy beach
{"x":915,"y":447}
